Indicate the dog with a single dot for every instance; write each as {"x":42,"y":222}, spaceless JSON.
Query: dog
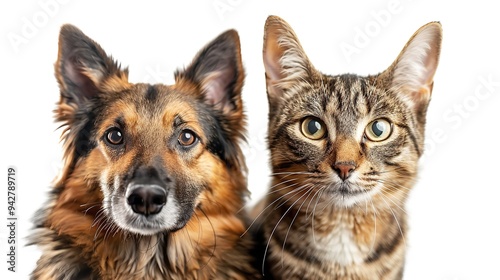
{"x":153,"y":178}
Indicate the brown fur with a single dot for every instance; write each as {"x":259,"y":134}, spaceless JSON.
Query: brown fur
{"x":78,"y":231}
{"x":335,"y":209}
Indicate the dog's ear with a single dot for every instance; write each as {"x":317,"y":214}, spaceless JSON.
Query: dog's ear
{"x":218,"y":70}
{"x":84,"y":72}
{"x":217,"y":73}
{"x":83,"y":69}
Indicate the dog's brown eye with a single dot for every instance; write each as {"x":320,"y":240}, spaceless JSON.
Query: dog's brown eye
{"x":114,"y":136}
{"x":187,"y":138}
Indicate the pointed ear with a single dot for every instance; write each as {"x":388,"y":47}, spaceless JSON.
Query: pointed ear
{"x":285,"y":61}
{"x":412,"y":73}
{"x":218,"y":70}
{"x":82,"y":67}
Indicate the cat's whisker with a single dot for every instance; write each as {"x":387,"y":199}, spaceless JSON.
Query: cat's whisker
{"x":276,"y":226}
{"x":296,"y":192}
{"x":393,"y":185}
{"x":292,"y":173}
{"x":287,"y":187}
{"x":333,"y":198}
{"x":283,"y":156}
{"x":293,"y":220}
{"x":366,"y":203}
{"x":396,"y":219}
{"x":322,"y":190}
{"x":280,"y":177}
{"x":292,"y":186}
{"x":374,"y":238}
{"x":311,"y":200}
{"x":388,"y":170}
{"x":385,"y":194}
{"x":283,"y":182}
{"x":264,"y":210}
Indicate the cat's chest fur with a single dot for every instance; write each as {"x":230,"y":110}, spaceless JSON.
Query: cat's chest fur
{"x":339,"y":241}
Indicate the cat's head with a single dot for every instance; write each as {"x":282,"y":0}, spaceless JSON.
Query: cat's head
{"x":347,"y":137}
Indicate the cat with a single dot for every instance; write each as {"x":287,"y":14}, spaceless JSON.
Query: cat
{"x":344,"y":154}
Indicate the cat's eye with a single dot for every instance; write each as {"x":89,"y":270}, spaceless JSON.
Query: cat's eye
{"x":187,"y":138}
{"x":313,"y":128}
{"x":378,"y":130}
{"x":114,"y":136}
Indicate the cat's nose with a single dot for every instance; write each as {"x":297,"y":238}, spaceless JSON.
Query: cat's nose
{"x":344,"y":170}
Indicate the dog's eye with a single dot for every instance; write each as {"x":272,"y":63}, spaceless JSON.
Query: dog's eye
{"x":114,"y":136}
{"x":187,"y":138}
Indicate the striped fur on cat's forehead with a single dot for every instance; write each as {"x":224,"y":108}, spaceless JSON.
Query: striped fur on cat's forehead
{"x":346,"y":100}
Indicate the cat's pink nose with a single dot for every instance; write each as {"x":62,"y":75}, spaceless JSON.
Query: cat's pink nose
{"x":344,"y":170}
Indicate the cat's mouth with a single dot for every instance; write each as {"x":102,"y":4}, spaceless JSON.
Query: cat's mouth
{"x":347,"y":193}
{"x":346,"y":189}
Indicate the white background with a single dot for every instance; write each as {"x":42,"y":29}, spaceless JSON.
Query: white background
{"x":453,"y":209}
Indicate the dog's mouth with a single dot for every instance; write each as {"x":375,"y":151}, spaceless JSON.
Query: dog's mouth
{"x":148,"y":201}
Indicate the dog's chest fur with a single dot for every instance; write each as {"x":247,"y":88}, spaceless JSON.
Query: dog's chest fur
{"x":180,"y":255}
{"x":184,"y":254}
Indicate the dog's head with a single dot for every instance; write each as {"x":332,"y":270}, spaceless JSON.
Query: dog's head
{"x":151,"y":154}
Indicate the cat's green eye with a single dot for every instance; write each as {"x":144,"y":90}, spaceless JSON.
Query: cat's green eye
{"x":378,"y":130}
{"x":313,"y":128}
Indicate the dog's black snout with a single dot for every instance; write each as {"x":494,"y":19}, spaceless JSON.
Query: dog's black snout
{"x":147,"y":200}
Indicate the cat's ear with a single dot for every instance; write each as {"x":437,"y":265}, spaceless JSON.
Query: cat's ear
{"x":285,"y":61}
{"x":218,"y":70}
{"x":413,"y":71}
{"x":82,"y":67}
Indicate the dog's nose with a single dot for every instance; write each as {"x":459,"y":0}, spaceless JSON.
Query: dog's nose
{"x":147,"y":200}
